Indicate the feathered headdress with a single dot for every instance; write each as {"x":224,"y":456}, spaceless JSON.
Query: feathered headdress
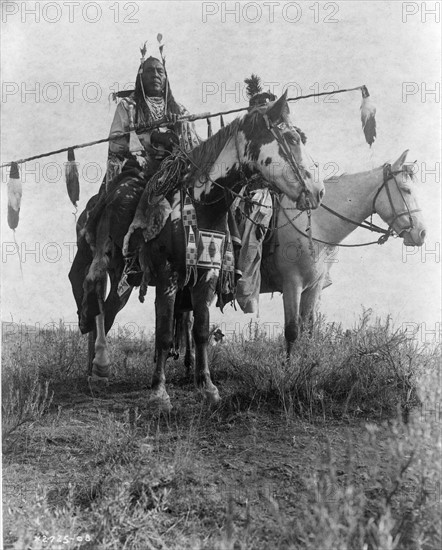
{"x":253,"y":85}
{"x":254,"y":91}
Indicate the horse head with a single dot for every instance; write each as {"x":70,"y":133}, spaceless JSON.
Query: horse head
{"x":270,"y":144}
{"x":397,"y":205}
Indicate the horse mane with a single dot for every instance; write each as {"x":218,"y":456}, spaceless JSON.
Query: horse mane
{"x":205,"y":154}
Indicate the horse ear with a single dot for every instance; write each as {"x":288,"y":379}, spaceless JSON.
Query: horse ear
{"x":279,"y":109}
{"x":400,"y":161}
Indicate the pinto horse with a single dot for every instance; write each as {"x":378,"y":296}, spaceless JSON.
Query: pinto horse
{"x":300,"y":271}
{"x":263,"y":141}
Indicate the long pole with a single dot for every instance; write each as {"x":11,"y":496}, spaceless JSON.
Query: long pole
{"x":165,"y":122}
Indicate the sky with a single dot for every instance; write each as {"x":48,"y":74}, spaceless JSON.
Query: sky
{"x":60,"y":62}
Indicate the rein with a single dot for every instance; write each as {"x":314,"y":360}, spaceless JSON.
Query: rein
{"x":388,"y":175}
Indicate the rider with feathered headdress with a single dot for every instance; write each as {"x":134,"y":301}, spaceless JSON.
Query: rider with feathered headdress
{"x":152,"y":101}
{"x":140,"y":151}
{"x":133,"y":157}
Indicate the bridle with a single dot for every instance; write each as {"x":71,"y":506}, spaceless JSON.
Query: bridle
{"x":279,"y":137}
{"x":388,"y":176}
{"x":290,"y":158}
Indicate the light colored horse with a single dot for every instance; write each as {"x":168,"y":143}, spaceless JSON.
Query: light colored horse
{"x":300,"y":270}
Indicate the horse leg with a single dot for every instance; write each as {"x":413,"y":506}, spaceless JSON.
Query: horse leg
{"x":101,"y":361}
{"x":164,"y":331}
{"x":309,"y":300}
{"x":202,"y":296}
{"x":114,"y":302}
{"x":291,"y":295}
{"x":91,"y":337}
{"x":189,"y":358}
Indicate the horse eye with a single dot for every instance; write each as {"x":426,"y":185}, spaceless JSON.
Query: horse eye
{"x":291,"y":138}
{"x":407,"y":191}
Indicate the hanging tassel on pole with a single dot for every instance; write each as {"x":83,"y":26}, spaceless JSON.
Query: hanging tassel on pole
{"x":368,"y":112}
{"x":209,"y":128}
{"x":221,"y":121}
{"x":14,"y":196}
{"x":72,"y":182}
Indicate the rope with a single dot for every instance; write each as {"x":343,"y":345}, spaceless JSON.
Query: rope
{"x":161,"y":123}
{"x":168,"y":176}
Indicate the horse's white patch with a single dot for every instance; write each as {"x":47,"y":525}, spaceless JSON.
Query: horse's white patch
{"x":218,"y":170}
{"x":211,"y":279}
{"x":176,"y":207}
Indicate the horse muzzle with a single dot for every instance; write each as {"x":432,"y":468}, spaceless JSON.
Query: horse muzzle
{"x":310,"y":201}
{"x":414,"y":237}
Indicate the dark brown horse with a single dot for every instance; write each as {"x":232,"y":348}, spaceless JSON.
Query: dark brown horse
{"x":261,"y":142}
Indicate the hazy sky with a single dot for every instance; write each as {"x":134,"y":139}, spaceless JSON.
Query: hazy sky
{"x":61,"y":61}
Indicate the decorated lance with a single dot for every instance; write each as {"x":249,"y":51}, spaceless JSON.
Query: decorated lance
{"x":190,"y":118}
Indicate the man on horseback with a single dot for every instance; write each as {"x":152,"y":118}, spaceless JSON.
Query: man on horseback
{"x":151,"y":102}
{"x":132,"y":160}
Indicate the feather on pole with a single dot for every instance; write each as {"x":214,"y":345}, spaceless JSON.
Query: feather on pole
{"x":71,"y":174}
{"x":14,"y":196}
{"x":368,"y":112}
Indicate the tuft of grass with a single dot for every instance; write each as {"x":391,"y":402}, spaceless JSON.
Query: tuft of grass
{"x":25,"y":399}
{"x":373,"y":369}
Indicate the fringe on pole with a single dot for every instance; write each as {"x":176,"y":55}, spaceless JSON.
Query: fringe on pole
{"x":15,"y":191}
{"x":368,"y":112}
{"x":72,"y":181}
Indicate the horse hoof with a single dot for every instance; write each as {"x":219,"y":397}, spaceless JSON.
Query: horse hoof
{"x":211,"y":396}
{"x":100,"y":372}
{"x":161,"y":400}
{"x":98,"y":386}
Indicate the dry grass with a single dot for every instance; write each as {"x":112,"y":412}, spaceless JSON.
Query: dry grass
{"x":340,"y":449}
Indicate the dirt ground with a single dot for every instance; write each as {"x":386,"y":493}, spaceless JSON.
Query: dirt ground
{"x":248,"y":469}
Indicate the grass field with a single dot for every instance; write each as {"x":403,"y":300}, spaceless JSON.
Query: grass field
{"x":338,"y":450}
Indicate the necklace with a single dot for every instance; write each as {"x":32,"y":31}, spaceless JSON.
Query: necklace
{"x":155,"y":106}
